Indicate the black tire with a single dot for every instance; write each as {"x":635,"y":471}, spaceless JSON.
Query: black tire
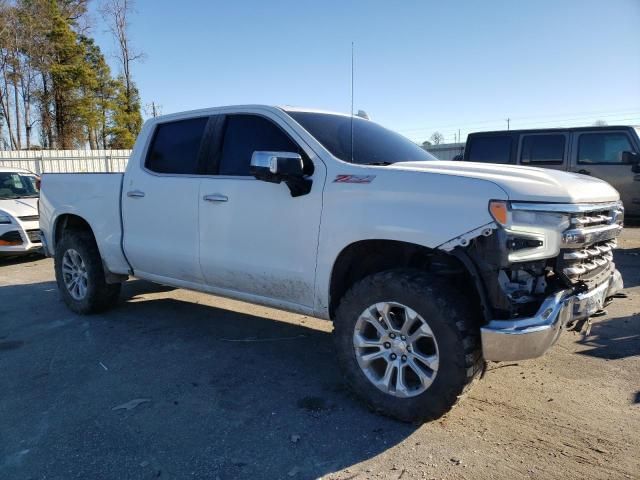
{"x":100,"y":295}
{"x":453,"y":323}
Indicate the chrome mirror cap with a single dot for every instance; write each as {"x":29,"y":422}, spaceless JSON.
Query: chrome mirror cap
{"x":271,"y":161}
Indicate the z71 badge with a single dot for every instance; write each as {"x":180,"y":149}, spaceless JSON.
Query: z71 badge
{"x":354,"y":178}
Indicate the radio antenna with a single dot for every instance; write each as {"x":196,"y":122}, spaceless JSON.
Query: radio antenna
{"x":351,"y":102}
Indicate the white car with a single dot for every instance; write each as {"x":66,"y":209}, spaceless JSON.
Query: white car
{"x":19,"y":221}
{"x":426,"y":268}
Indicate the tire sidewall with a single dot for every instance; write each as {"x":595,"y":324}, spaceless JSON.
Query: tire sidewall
{"x":427,"y":301}
{"x":81,"y":245}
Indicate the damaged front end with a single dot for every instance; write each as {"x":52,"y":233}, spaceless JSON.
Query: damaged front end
{"x":543,"y":267}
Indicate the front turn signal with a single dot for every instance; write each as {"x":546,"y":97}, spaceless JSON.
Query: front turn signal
{"x":499,"y":211}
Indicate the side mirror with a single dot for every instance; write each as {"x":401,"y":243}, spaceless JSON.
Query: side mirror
{"x":276,"y":167}
{"x":458,"y":158}
{"x":633,"y":159}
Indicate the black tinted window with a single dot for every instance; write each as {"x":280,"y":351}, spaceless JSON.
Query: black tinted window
{"x":602,"y":147}
{"x":245,"y":134}
{"x":176,"y":146}
{"x":372,"y":143}
{"x":494,"y":149}
{"x":547,"y":149}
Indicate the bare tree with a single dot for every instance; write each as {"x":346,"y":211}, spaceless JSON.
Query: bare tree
{"x":153,"y":109}
{"x":437,"y":138}
{"x":600,"y":123}
{"x":116,"y":15}
{"x":7,"y":74}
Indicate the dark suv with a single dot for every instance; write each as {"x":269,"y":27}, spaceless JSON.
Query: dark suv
{"x":609,"y":153}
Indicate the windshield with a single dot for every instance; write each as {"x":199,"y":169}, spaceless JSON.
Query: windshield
{"x":17,"y":185}
{"x":372,"y":143}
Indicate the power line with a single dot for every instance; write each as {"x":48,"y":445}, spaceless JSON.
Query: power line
{"x":577,"y":115}
{"x":635,"y":120}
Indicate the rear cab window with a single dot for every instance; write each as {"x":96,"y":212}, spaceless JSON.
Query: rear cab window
{"x":543,"y":149}
{"x":177,"y":146}
{"x":490,"y":149}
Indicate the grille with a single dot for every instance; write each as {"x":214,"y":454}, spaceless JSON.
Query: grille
{"x":588,"y":244}
{"x":34,"y":236}
{"x":13,"y":236}
{"x":30,"y":218}
{"x":590,"y":259}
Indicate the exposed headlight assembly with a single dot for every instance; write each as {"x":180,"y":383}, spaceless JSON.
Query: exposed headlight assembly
{"x":5,"y":218}
{"x":531,"y":235}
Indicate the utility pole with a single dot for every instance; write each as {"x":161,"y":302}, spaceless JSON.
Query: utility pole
{"x":508,"y":123}
{"x":458,"y":135}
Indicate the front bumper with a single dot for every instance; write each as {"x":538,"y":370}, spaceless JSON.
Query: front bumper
{"x":26,"y":233}
{"x":522,"y":338}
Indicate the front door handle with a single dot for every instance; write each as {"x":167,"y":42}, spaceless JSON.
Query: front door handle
{"x":584,"y":172}
{"x":215,"y":197}
{"x":135,"y":194}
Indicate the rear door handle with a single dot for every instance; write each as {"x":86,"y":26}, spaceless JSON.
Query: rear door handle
{"x":135,"y":194}
{"x":584,"y":172}
{"x":215,"y":197}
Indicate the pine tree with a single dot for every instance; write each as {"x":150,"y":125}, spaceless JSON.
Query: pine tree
{"x":71,"y":77}
{"x":127,"y":120}
{"x":101,"y":95}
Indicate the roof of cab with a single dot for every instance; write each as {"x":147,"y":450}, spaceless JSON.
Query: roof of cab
{"x":290,"y":108}
{"x":551,"y":130}
{"x":239,"y":108}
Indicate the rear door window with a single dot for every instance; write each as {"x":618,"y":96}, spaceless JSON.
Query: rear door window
{"x":543,"y":149}
{"x":604,"y":148}
{"x":490,"y":149}
{"x":245,"y":134}
{"x":176,"y":146}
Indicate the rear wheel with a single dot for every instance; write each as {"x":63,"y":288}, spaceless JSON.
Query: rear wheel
{"x":80,"y":275}
{"x":407,"y":344}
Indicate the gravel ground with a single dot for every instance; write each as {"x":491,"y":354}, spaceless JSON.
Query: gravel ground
{"x":177,"y":384}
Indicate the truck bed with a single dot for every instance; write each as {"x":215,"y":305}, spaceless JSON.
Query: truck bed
{"x":95,"y":197}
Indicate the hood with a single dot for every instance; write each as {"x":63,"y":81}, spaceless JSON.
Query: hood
{"x":20,"y":207}
{"x":525,"y":184}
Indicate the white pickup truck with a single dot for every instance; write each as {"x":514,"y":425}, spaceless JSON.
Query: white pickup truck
{"x":426,"y":268}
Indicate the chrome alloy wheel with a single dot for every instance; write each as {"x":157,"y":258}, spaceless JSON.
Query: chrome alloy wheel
{"x":74,"y":274}
{"x":396,"y":349}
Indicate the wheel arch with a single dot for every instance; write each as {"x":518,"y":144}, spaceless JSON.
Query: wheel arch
{"x":367,"y":257}
{"x":66,"y":222}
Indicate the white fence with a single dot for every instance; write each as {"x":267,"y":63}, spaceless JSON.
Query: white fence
{"x":446,"y":151}
{"x":66,"y":161}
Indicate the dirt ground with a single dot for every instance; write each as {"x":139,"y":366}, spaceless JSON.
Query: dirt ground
{"x":176,"y":384}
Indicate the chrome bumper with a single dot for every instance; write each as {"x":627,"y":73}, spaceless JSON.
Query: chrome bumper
{"x":522,"y":338}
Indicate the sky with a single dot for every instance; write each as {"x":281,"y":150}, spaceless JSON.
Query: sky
{"x":420,"y":66}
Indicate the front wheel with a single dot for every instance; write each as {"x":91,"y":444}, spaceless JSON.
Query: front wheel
{"x":80,"y":275}
{"x":407,"y":344}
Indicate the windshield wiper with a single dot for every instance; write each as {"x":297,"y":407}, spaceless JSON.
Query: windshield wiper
{"x":378,"y":163}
